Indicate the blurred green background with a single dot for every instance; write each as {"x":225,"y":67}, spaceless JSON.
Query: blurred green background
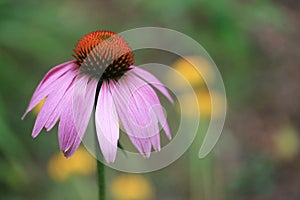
{"x":255,"y":44}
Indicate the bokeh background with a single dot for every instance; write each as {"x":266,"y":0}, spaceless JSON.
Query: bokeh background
{"x":255,"y":44}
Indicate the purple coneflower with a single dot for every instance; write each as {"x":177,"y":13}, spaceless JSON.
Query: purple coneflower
{"x":103,"y":75}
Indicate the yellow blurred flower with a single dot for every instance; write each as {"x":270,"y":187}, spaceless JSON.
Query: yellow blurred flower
{"x":286,"y":142}
{"x":131,"y":187}
{"x":189,"y":68}
{"x":60,"y":168}
{"x":38,"y":107}
{"x":192,"y":69}
{"x":203,"y":98}
{"x":204,"y":101}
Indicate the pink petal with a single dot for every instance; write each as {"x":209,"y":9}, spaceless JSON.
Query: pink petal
{"x":156,"y":106}
{"x":67,"y":130}
{"x":155,"y":141}
{"x":134,"y":101}
{"x":59,"y":88}
{"x":56,"y":113}
{"x":142,"y":145}
{"x":107,"y":124}
{"x":162,"y":119}
{"x":149,"y":94}
{"x":134,"y":108}
{"x":45,"y":87}
{"x":83,"y":102}
{"x":150,"y":78}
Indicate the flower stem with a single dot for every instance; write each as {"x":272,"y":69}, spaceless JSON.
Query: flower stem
{"x":101,"y":179}
{"x":100,"y":165}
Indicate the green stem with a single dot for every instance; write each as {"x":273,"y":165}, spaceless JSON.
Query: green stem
{"x":100,"y":165}
{"x":101,"y":179}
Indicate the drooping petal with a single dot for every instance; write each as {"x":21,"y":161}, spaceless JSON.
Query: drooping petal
{"x":162,"y":120}
{"x":83,"y":102}
{"x":150,"y":78}
{"x":134,"y":106}
{"x":155,"y":141}
{"x":66,"y":129}
{"x":59,"y":87}
{"x":143,"y":145}
{"x":107,"y":123}
{"x":45,"y":87}
{"x":149,"y":94}
{"x":56,"y":113}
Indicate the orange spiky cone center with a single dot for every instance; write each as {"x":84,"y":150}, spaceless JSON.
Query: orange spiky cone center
{"x":103,"y":55}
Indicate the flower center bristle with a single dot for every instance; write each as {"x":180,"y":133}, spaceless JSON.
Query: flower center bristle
{"x":103,"y":55}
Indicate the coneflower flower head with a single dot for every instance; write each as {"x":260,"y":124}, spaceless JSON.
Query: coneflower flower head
{"x":102,"y":74}
{"x":103,"y":55}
